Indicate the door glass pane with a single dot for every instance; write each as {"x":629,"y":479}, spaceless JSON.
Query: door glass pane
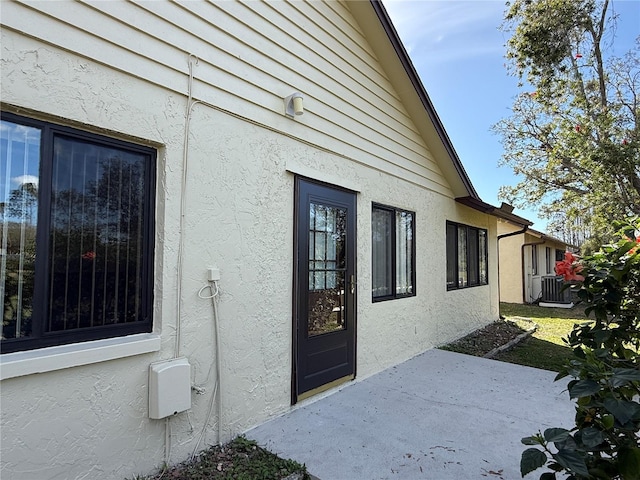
{"x":19,"y":181}
{"x":326,"y":307}
{"x":327,"y":274}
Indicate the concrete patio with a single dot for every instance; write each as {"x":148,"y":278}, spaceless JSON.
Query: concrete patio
{"x":438,"y":416}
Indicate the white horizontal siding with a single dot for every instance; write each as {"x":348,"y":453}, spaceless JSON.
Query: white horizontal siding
{"x":342,"y":74}
{"x":348,"y":77}
{"x":251,"y":55}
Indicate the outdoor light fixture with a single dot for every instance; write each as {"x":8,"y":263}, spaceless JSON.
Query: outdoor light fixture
{"x":293,"y":105}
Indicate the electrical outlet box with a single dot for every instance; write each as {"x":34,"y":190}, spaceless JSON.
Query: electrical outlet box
{"x":169,"y":387}
{"x":213,"y":274}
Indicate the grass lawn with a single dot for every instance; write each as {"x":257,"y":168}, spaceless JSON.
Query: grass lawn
{"x":545,"y":348}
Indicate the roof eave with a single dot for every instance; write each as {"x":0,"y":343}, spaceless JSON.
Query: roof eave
{"x":484,"y":207}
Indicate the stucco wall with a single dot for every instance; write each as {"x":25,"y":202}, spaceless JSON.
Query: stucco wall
{"x":91,"y":421}
{"x":510,"y":264}
{"x":392,"y":331}
{"x":518,"y":284}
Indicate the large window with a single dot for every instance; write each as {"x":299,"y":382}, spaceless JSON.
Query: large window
{"x":393,"y":253}
{"x":76,"y":244}
{"x":467,"y":264}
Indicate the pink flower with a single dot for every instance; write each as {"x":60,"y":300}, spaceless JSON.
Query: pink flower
{"x":90,"y":255}
{"x":569,"y":268}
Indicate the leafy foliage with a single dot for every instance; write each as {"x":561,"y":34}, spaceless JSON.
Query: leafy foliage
{"x":605,"y":442}
{"x":574,"y":137}
{"x":240,"y":459}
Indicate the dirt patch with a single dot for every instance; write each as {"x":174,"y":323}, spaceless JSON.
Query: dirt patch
{"x":240,"y":459}
{"x":487,"y":339}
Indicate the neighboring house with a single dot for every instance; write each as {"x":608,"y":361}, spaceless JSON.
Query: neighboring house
{"x":526,"y":259}
{"x":188,"y":249}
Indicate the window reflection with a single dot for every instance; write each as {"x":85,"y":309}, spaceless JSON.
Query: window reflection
{"x":392,"y":253}
{"x":76,"y":243}
{"x":95,"y":236}
{"x":327,"y":260}
{"x":20,"y":152}
{"x":467,"y":263}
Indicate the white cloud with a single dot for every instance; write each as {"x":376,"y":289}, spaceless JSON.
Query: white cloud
{"x":19,"y":132}
{"x":25,"y":179}
{"x":437,"y":31}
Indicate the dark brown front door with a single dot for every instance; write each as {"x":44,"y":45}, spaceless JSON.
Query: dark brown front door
{"x":325,"y":293}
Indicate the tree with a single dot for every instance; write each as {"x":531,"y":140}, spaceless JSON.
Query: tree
{"x":20,"y":213}
{"x":574,"y":137}
{"x":23,"y":203}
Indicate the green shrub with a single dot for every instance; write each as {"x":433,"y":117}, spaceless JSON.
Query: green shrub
{"x":605,"y":371}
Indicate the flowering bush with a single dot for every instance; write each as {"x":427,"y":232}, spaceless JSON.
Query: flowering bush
{"x":605,"y":442}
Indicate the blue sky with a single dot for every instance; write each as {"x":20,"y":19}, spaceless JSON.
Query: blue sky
{"x":458,"y":51}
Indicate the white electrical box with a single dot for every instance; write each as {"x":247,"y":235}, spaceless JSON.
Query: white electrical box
{"x":213,"y":274}
{"x":169,"y":387}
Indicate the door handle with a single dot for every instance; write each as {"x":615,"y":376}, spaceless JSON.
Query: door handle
{"x":353,"y":284}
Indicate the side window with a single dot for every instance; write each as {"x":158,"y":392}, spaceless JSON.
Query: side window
{"x":534,"y":260}
{"x":467,"y":264}
{"x":77,"y":235}
{"x":393,"y":253}
{"x":548,"y":260}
